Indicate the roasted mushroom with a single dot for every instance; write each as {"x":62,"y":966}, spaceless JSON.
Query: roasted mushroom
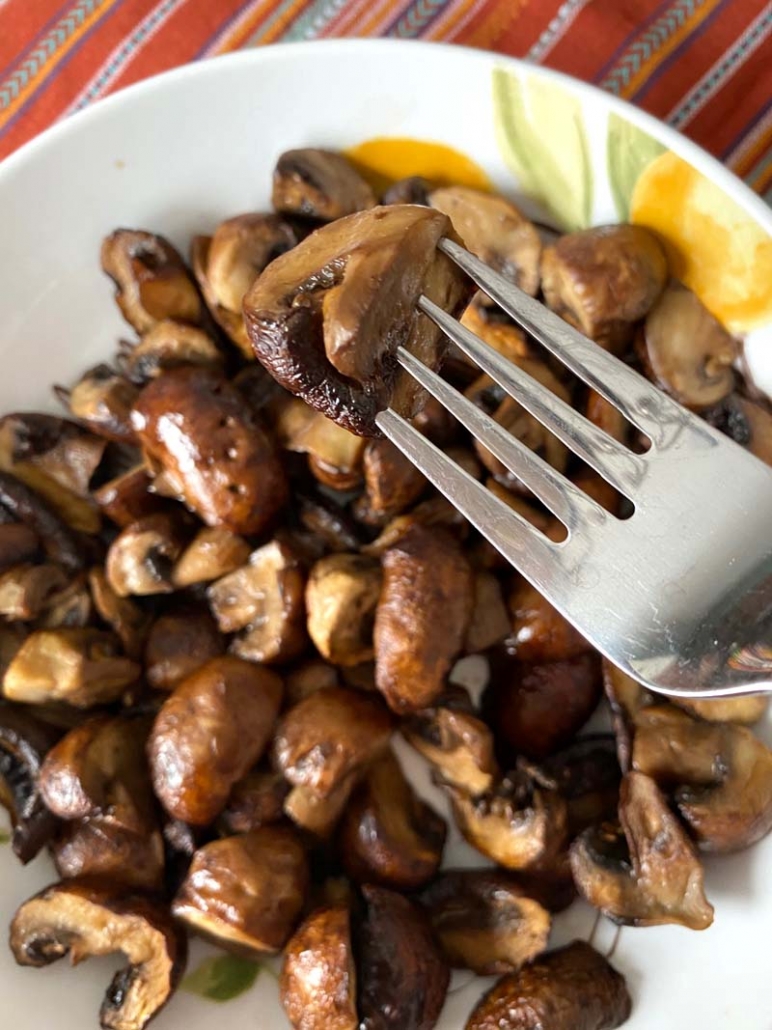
{"x":246,"y":893}
{"x":256,"y":800}
{"x":102,"y":400}
{"x":84,"y":918}
{"x":315,"y":814}
{"x":151,"y":280}
{"x":126,"y":619}
{"x":318,"y":184}
{"x":141,"y":558}
{"x":504,"y":336}
{"x":392,"y":483}
{"x":745,"y":710}
{"x":329,"y":736}
{"x":341,"y":598}
{"x":227,"y":263}
{"x":493,"y":229}
{"x":213,"y":552}
{"x":127,"y":497}
{"x":180,"y":642}
{"x":422,"y":617}
{"x":209,"y":733}
{"x":484,"y":921}
{"x":587,"y":776}
{"x":71,"y":606}
{"x":573,"y":988}
{"x":213,"y":453}
{"x":307,"y":678}
{"x":539,"y":632}
{"x":388,"y":835}
{"x":722,"y":772}
{"x":607,"y":416}
{"x":686,"y":351}
{"x":318,"y":984}
{"x":168,"y":345}
{"x":81,"y":667}
{"x":264,"y":599}
{"x":18,"y":544}
{"x":24,"y":743}
{"x":327,"y":318}
{"x":23,"y":504}
{"x":334,"y":454}
{"x":489,"y":624}
{"x":101,"y":848}
{"x":604,"y":280}
{"x":656,"y":878}
{"x":26,"y":590}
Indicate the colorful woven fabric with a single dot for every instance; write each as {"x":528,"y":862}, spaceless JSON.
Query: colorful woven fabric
{"x":705,"y":66}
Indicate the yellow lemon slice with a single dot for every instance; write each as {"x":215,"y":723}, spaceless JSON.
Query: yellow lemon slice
{"x":385,"y":159}
{"x":713,"y":246}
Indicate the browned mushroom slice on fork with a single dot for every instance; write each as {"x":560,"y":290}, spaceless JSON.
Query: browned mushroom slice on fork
{"x":327,"y":317}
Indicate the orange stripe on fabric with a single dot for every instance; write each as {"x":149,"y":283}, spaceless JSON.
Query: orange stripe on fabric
{"x":451,"y":20}
{"x":280,"y":24}
{"x":242,"y":31}
{"x":346,"y":17}
{"x":48,"y":69}
{"x":762,"y":143}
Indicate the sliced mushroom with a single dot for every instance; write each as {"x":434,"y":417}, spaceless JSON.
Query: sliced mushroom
{"x":71,"y":606}
{"x":341,"y":598}
{"x":626,"y":698}
{"x":422,"y":617}
{"x":213,"y":453}
{"x":407,"y":994}
{"x":587,"y":776}
{"x":180,"y":642}
{"x":573,"y":988}
{"x":308,"y":677}
{"x":102,"y":400}
{"x":318,"y":984}
{"x":60,"y":543}
{"x":319,"y":815}
{"x":413,"y":190}
{"x":747,"y":422}
{"x":151,"y":280}
{"x":265,"y":600}
{"x":81,"y":667}
{"x":168,"y":345}
{"x":329,"y":523}
{"x":539,"y":632}
{"x":388,"y":835}
{"x":318,"y":184}
{"x":329,"y":736}
{"x":687,"y":351}
{"x":26,"y":590}
{"x":745,"y":710}
{"x":46,"y":448}
{"x":489,"y":623}
{"x":227,"y":263}
{"x":604,"y":280}
{"x":102,"y":849}
{"x":493,"y":229}
{"x":82,"y":918}
{"x":213,"y":552}
{"x":656,"y":878}
{"x":246,"y":893}
{"x":538,"y":708}
{"x":256,"y":800}
{"x":334,"y":454}
{"x":141,"y":558}
{"x":18,"y":544}
{"x":457,"y":744}
{"x":24,"y":743}
{"x":519,"y":823}
{"x":484,"y":921}
{"x":209,"y":733}
{"x":505,"y":337}
{"x":127,"y":498}
{"x":327,"y":318}
{"x":434,"y":512}
{"x":126,"y":619}
{"x":723,"y":775}
{"x":392,"y":483}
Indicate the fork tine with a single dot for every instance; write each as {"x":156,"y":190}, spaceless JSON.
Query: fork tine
{"x":520,"y":543}
{"x":648,"y":408}
{"x":564,"y":500}
{"x":607,"y":456}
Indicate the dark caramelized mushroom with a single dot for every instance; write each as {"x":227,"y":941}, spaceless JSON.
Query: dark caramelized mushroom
{"x":246,"y":893}
{"x":334,"y":454}
{"x":318,"y":184}
{"x":141,"y":558}
{"x":216,"y":457}
{"x":81,"y":667}
{"x":539,"y":632}
{"x":484,"y":921}
{"x":392,"y":483}
{"x":341,"y":597}
{"x":82,"y":918}
{"x":180,"y":642}
{"x":227,"y":264}
{"x":587,"y":776}
{"x":102,"y":400}
{"x":493,"y":229}
{"x":71,"y":606}
{"x":422,"y":617}
{"x":686,"y":351}
{"x":573,"y":988}
{"x":318,"y":982}
{"x":127,"y":498}
{"x":604,"y":280}
{"x":388,"y":835}
{"x":18,"y":543}
{"x":413,"y":190}
{"x":126,"y":619}
{"x":151,"y":280}
{"x":102,"y":848}
{"x":25,"y":505}
{"x":326,"y":318}
{"x":209,"y":733}
{"x":329,"y":736}
{"x":168,"y":345}
{"x":53,"y":448}
{"x":264,"y":601}
{"x":656,"y":878}
{"x":256,"y":800}
{"x":213,"y":552}
{"x":307,"y":678}
{"x":24,"y":743}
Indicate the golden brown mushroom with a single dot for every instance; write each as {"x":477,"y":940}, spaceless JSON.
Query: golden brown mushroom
{"x":24,"y":743}
{"x":489,"y":624}
{"x":82,"y":918}
{"x":256,"y":800}
{"x":101,"y":848}
{"x":327,"y":317}
{"x":334,"y":454}
{"x":45,"y":451}
{"x":127,"y":497}
{"x":246,"y":893}
{"x":126,"y":619}
{"x":318,"y":184}
{"x":168,"y":345}
{"x":392,"y":483}
{"x":573,"y":988}
{"x":539,"y":632}
{"x":141,"y":558}
{"x":26,"y":590}
{"x":102,"y":400}
{"x":24,"y":504}
{"x":209,"y":733}
{"x":213,"y":552}
{"x":604,"y":280}
{"x":656,"y":878}
{"x":341,"y":597}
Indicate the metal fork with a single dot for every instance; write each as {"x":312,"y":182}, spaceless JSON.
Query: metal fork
{"x":679,"y":595}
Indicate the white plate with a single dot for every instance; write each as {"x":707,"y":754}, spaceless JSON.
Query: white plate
{"x":177,"y":154}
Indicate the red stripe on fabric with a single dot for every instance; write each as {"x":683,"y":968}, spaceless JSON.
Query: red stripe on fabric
{"x":42,"y":16}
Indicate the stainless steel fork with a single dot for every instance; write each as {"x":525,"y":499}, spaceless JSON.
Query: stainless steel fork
{"x":680,"y":594}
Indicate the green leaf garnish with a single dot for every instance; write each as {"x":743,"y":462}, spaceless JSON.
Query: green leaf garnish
{"x":221,"y":977}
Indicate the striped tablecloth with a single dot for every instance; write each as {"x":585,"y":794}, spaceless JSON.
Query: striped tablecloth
{"x":705,"y":66}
